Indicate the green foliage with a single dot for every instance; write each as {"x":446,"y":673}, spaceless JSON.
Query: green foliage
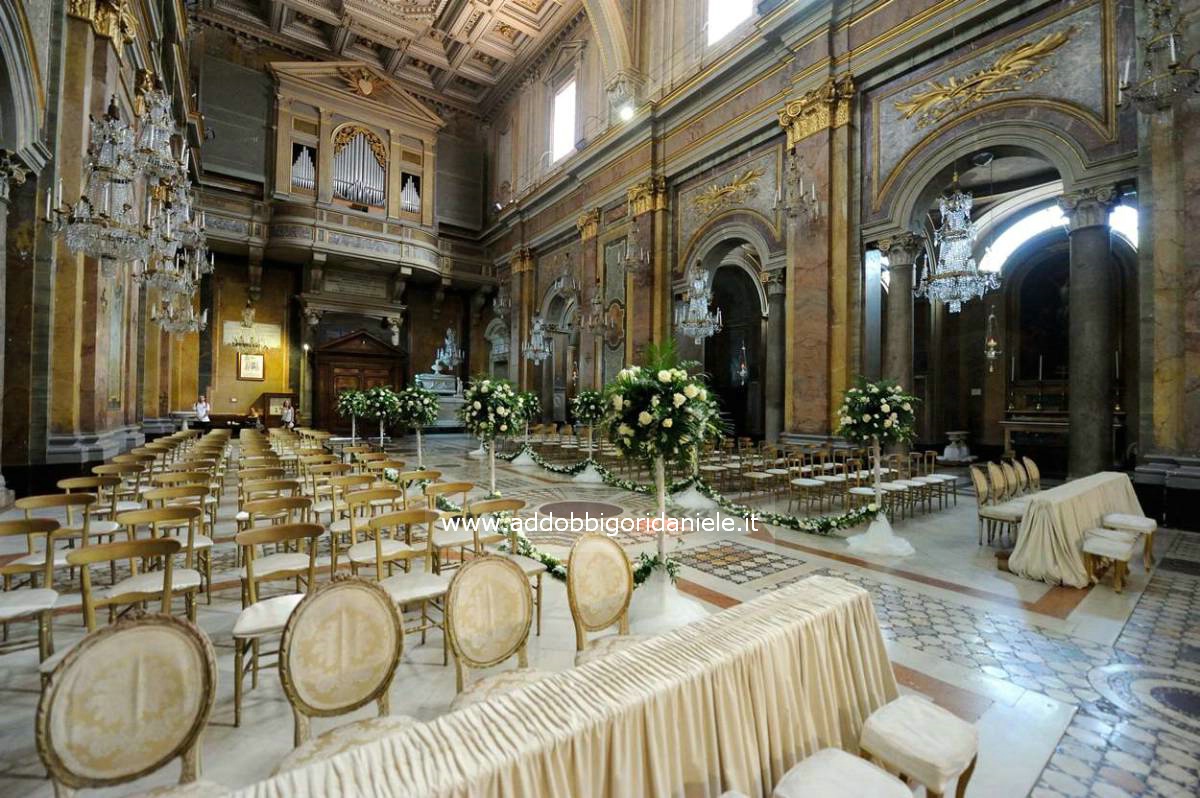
{"x":880,"y":410}
{"x":351,"y":404}
{"x":418,"y":407}
{"x":490,"y":408}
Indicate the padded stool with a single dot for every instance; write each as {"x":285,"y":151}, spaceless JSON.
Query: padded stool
{"x":832,"y":773}
{"x":1138,"y":525}
{"x":1109,"y":544}
{"x":917,"y":738}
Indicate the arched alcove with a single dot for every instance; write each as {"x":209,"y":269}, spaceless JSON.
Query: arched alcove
{"x":734,"y":358}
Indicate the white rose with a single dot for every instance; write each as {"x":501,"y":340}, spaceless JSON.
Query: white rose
{"x":893,"y":417}
{"x":885,"y":407}
{"x":679,"y":399}
{"x":645,"y":418}
{"x":703,"y":395}
{"x":484,"y":389}
{"x":690,"y":391}
{"x":668,"y":423}
{"x":866,"y":416}
{"x":654,"y":401}
{"x":624,"y":430}
{"x":906,"y":406}
{"x":503,"y":411}
{"x":887,"y":422}
{"x":664,"y":376}
{"x":504,"y":428}
{"x":477,"y":406}
{"x":617,"y":402}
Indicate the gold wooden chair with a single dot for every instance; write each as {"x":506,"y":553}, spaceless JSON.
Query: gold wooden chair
{"x":424,"y":587}
{"x":126,"y":701}
{"x":489,"y":609}
{"x":265,"y":617}
{"x":166,"y":523}
{"x":487,"y":541}
{"x":360,"y":619}
{"x":33,"y":602}
{"x":599,"y":588}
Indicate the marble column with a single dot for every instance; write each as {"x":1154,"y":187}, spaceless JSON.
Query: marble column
{"x":1090,"y":358}
{"x":901,"y":251}
{"x":10,"y":172}
{"x":776,"y":346}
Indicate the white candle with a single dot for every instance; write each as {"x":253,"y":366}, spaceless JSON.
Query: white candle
{"x":48,"y":214}
{"x":1039,"y":368}
{"x":1125,"y":73}
{"x":1171,"y":40}
{"x":1012,"y":370}
{"x":58,"y":194}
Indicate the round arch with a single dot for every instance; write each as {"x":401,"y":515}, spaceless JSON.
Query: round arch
{"x":21,"y":99}
{"x":719,"y":244}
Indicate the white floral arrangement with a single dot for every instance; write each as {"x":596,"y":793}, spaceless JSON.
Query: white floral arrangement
{"x":490,"y":409}
{"x":659,"y":410}
{"x":382,"y":403}
{"x":418,"y":407}
{"x":587,"y":407}
{"x":529,"y":406}
{"x":351,"y":404}
{"x":877,"y":410}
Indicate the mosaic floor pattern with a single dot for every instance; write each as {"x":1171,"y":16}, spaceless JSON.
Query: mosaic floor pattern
{"x":736,"y":562}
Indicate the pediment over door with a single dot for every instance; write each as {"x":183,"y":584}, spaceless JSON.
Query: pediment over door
{"x":359,"y":343}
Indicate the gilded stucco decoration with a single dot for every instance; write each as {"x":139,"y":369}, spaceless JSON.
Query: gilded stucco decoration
{"x":647,"y":195}
{"x":588,"y":224}
{"x":112,"y":19}
{"x":736,"y":192}
{"x":827,"y":106}
{"x":348,"y":133}
{"x":1014,"y":68}
{"x":362,"y":82}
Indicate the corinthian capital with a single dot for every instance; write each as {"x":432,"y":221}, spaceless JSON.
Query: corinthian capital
{"x":1088,"y":207}
{"x":901,"y":249}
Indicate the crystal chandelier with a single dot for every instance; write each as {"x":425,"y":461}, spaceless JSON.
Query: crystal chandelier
{"x":539,"y":346}
{"x":246,"y":342}
{"x":103,"y":224}
{"x":448,"y":354}
{"x":1168,"y":77}
{"x":175,"y":314}
{"x":742,"y":373}
{"x":954,"y":277}
{"x":153,"y":153}
{"x":596,"y":321}
{"x":797,"y":202}
{"x":693,"y":318}
{"x":502,"y":302}
{"x":638,"y":266}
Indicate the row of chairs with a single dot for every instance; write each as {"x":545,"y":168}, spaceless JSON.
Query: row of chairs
{"x":358,"y":616}
{"x":1003,"y":491}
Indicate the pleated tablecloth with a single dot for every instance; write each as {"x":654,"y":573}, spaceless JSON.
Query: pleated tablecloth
{"x":730,"y":702}
{"x":1050,"y":541}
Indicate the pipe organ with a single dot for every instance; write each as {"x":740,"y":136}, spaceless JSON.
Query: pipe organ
{"x":304,"y":170}
{"x":410,"y":194}
{"x":359,"y":168}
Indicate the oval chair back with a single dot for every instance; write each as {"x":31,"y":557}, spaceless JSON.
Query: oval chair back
{"x":599,"y":586}
{"x":126,"y":701}
{"x":980,"y":484}
{"x":1035,"y":476}
{"x":339,"y":651}
{"x":996,"y":484}
{"x":489,"y":610}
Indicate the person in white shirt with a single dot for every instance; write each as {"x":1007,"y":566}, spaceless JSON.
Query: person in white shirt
{"x":288,"y":416}
{"x":202,"y":407}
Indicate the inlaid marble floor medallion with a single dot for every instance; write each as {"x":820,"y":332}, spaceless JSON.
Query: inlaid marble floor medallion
{"x":1169,"y":699}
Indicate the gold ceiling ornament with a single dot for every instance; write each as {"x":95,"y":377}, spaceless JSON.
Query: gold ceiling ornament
{"x":361,"y":81}
{"x":647,"y":195}
{"x":144,"y":84}
{"x":827,"y":106}
{"x":735,"y":192}
{"x":588,"y":224}
{"x":112,"y":19}
{"x":1014,"y":68}
{"x":348,"y":133}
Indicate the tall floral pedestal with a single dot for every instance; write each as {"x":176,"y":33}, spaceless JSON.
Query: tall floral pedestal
{"x":879,"y":537}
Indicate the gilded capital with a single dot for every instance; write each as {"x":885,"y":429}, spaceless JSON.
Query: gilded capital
{"x":1088,"y":207}
{"x":522,"y":261}
{"x":112,"y":19}
{"x":901,"y":249}
{"x":648,"y":195}
{"x":827,"y":106}
{"x":588,"y":224}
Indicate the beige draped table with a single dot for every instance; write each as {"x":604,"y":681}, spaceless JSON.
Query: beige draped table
{"x":730,"y":702}
{"x":1050,"y":541}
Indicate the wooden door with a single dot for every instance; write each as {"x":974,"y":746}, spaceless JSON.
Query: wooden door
{"x":354,"y":362}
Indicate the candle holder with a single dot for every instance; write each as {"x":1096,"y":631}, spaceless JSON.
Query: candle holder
{"x":1038,"y":404}
{"x":1117,"y":398}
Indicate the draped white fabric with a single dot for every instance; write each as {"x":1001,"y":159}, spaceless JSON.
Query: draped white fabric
{"x":730,"y":702}
{"x":1050,"y":541}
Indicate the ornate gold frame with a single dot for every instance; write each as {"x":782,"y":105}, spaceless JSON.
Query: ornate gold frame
{"x":461,"y":659}
{"x":621,"y":616}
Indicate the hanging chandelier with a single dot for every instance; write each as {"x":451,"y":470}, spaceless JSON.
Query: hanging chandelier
{"x":502,"y":302}
{"x":448,"y":354}
{"x":1167,"y":75}
{"x":103,"y":224}
{"x":153,"y":153}
{"x":692,"y":317}
{"x":596,"y":321}
{"x":539,"y":346}
{"x":175,"y":314}
{"x":954,"y":277}
{"x":246,"y":342}
{"x":991,"y":344}
{"x":742,"y":372}
{"x":637,"y":265}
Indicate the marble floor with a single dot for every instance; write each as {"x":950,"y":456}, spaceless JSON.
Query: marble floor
{"x":1074,"y":693}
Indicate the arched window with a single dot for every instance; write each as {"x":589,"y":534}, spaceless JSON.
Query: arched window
{"x":359,"y":167}
{"x":1122,"y":221}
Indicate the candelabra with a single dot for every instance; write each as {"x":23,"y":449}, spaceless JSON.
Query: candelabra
{"x":1168,"y":77}
{"x":448,"y":354}
{"x":693,"y":317}
{"x":991,"y":345}
{"x":637,"y":260}
{"x":502,"y":302}
{"x":796,"y":200}
{"x":175,"y":314}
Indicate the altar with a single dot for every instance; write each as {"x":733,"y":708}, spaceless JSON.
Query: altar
{"x":447,"y":387}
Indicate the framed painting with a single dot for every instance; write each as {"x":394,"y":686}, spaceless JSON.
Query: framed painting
{"x":250,"y":367}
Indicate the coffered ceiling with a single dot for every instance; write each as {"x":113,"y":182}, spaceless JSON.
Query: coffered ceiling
{"x":463,"y":52}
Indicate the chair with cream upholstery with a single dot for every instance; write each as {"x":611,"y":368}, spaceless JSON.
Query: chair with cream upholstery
{"x":130,"y":472}
{"x":34,"y":602}
{"x":497,"y":509}
{"x":181,"y":523}
{"x":413,"y":482}
{"x":833,"y":773}
{"x":265,"y":617}
{"x":489,"y":610}
{"x":992,"y":515}
{"x":339,"y":652}
{"x":1034,"y":473}
{"x":1102,"y":546}
{"x":450,"y":532}
{"x":199,"y":549}
{"x":599,"y":587}
{"x":388,"y":541}
{"x":126,"y":701}
{"x":424,"y":587}
{"x":929,"y":744}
